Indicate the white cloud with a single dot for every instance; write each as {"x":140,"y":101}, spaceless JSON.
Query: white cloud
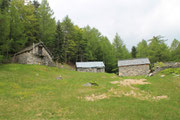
{"x":134,"y":20}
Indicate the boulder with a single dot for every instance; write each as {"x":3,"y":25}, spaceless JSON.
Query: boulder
{"x":59,"y":78}
{"x":150,"y":74}
{"x":89,"y":84}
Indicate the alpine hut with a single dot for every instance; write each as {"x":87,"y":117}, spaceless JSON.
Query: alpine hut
{"x":34,"y":54}
{"x":90,"y":66}
{"x":134,"y":67}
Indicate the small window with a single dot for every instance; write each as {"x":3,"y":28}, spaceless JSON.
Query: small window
{"x":40,"y":50}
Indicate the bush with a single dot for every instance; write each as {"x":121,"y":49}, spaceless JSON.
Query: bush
{"x":1,"y":58}
{"x":158,"y":65}
{"x":94,"y":83}
{"x":171,"y":71}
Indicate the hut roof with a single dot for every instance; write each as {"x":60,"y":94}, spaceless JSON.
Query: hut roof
{"x":27,"y":49}
{"x":90,"y":64}
{"x":140,"y":61}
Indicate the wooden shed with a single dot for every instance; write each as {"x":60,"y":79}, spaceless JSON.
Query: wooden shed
{"x":134,"y":67}
{"x":34,"y":54}
{"x":90,"y":66}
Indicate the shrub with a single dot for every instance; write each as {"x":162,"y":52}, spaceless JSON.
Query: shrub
{"x":1,"y":58}
{"x":94,"y":83}
{"x":171,"y":71}
{"x":158,"y":65}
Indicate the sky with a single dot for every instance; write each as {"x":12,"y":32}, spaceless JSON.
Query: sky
{"x":133,"y":20}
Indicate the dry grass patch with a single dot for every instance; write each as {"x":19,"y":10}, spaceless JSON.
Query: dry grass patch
{"x":126,"y":88}
{"x":128,"y":82}
{"x":136,"y":92}
{"x":94,"y":97}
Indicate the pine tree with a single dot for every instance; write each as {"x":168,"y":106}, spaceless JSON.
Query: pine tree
{"x":158,"y":50}
{"x":142,"y":49}
{"x":93,"y":49}
{"x":133,"y":52}
{"x":69,"y":42}
{"x":36,"y":24}
{"x":47,"y":24}
{"x":58,"y":50}
{"x":4,"y":30}
{"x":120,"y":49}
{"x":174,"y":45}
{"x":175,"y":50}
{"x":30,"y":23}
{"x":4,"y":5}
{"x":36,"y":6}
{"x":108,"y":55}
{"x":17,"y":28}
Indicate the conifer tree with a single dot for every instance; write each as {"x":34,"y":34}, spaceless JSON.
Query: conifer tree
{"x":133,"y":52}
{"x":30,"y":23}
{"x":142,"y":49}
{"x":47,"y":24}
{"x":157,"y":50}
{"x":4,"y":29}
{"x":175,"y":50}
{"x":120,"y":49}
{"x":17,"y":27}
{"x":69,"y":42}
{"x":58,"y":50}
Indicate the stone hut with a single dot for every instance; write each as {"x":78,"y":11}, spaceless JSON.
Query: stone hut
{"x":134,"y":67}
{"x":35,"y":54}
{"x":90,"y":66}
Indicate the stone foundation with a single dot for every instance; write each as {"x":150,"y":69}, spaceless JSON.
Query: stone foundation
{"x":96,"y":70}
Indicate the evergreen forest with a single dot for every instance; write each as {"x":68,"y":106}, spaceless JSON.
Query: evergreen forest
{"x":24,"y":23}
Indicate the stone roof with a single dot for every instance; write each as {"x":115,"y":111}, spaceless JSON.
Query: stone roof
{"x":27,"y":49}
{"x":140,"y":61}
{"x":90,"y":65}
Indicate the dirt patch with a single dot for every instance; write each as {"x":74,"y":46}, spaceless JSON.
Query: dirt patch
{"x":127,"y":89}
{"x":160,"y":97}
{"x":94,"y":97}
{"x":128,"y":82}
{"x":136,"y":93}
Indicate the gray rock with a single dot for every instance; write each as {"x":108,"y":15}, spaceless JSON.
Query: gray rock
{"x":59,"y":78}
{"x":88,"y":84}
{"x":150,"y":74}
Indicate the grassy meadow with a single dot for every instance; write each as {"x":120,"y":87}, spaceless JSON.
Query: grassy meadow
{"x":32,"y":92}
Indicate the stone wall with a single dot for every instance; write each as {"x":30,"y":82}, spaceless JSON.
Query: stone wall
{"x":135,"y":70}
{"x":166,"y":66}
{"x":100,"y":69}
{"x":91,"y":70}
{"x":22,"y":58}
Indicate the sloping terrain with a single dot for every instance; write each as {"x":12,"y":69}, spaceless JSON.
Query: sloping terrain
{"x":33,"y":92}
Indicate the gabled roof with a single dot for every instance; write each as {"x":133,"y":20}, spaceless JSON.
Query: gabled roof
{"x":27,"y":49}
{"x":90,"y":64}
{"x":140,"y":61}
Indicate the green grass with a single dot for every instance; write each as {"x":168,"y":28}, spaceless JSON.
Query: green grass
{"x":31,"y":92}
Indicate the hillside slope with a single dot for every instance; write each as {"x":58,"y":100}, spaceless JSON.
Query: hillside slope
{"x":32,"y":92}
